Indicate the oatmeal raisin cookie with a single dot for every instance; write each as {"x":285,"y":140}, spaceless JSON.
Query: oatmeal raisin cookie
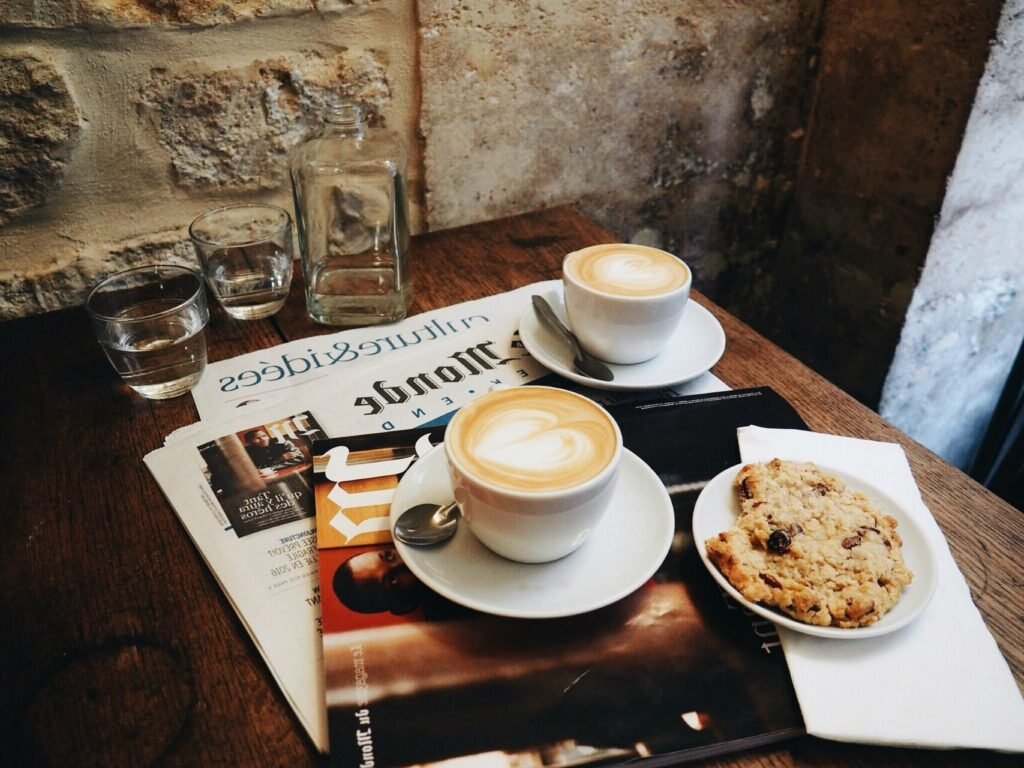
{"x":809,"y":546}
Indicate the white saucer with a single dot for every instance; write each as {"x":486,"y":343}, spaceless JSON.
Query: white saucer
{"x":693,"y":349}
{"x":718,"y":507}
{"x":622,"y":553}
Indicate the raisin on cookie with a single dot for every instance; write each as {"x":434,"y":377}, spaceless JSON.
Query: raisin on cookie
{"x":811,"y":547}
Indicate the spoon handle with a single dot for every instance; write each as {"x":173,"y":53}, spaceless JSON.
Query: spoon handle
{"x":547,"y":314}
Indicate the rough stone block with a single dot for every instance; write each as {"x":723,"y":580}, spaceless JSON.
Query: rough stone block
{"x":118,"y":14}
{"x":68,"y":285}
{"x":232,"y":128}
{"x":39,"y":126}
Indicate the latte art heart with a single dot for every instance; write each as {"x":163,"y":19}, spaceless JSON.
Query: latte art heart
{"x":538,"y":447}
{"x":533,"y":442}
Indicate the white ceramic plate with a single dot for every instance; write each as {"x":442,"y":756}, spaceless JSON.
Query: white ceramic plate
{"x":622,"y":553}
{"x":718,"y":507}
{"x":693,"y":349}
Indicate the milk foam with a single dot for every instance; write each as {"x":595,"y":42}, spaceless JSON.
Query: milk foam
{"x":527,"y":440}
{"x":628,"y":270}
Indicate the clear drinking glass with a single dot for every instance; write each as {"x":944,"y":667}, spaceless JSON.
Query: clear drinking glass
{"x":151,"y":323}
{"x":246,"y":255}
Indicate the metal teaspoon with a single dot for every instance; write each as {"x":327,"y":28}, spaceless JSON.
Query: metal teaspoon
{"x":425,"y":524}
{"x":584,"y":362}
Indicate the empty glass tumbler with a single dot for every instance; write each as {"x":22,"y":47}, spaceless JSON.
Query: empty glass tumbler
{"x":151,"y":323}
{"x":352,"y":215}
{"x":246,"y":255}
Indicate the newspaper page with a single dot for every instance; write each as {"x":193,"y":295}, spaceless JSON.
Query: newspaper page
{"x":254,"y":525}
{"x":263,"y":377}
{"x":318,"y":368}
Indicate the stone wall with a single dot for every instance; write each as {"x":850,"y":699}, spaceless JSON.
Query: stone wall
{"x":122,"y":120}
{"x":676,"y":124}
{"x":672,"y":123}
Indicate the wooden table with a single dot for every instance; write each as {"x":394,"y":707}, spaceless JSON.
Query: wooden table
{"x":119,"y":648}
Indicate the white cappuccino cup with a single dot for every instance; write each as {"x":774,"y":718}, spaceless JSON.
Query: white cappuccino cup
{"x":624,"y":301}
{"x":533,"y":469}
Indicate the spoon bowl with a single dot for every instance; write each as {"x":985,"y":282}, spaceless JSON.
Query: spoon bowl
{"x":424,"y":525}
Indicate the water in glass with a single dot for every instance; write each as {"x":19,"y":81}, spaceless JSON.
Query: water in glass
{"x":162,"y":357}
{"x":252,"y":281}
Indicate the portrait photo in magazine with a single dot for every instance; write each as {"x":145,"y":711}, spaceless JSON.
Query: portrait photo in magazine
{"x":261,"y":475}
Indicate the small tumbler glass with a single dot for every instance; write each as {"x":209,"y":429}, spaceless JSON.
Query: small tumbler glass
{"x":151,"y":323}
{"x":246,"y":255}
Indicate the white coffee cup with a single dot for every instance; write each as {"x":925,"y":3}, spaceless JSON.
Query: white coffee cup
{"x":533,"y":469}
{"x":624,"y":301}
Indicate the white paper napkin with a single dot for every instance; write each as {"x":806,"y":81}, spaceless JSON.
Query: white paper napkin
{"x":938,"y":682}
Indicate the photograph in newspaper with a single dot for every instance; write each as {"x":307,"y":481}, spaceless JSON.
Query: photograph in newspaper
{"x":260,"y":475}
{"x":674,"y":671}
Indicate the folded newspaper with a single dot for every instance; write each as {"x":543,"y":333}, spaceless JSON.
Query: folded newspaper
{"x":240,"y":479}
{"x":266,"y":376}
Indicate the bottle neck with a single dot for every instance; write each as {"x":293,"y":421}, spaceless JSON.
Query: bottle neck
{"x":346,"y":118}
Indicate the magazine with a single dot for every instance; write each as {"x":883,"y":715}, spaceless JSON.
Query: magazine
{"x":673,"y":672}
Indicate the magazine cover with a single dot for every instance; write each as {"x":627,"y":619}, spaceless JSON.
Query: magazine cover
{"x":674,"y":671}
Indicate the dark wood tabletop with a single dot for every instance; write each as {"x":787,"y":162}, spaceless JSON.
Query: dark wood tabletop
{"x":118,"y":646}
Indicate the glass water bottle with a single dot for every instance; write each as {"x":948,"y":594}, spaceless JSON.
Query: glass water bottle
{"x":351,"y":211}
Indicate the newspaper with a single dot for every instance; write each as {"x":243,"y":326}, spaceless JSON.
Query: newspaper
{"x":318,"y":368}
{"x":254,"y":525}
{"x":262,"y":377}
